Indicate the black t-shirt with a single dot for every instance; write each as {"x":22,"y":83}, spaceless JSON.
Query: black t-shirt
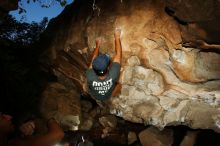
{"x":102,"y":89}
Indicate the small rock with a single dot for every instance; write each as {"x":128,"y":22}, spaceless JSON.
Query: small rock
{"x":86,"y":125}
{"x":189,"y":139}
{"x":132,"y":137}
{"x":108,"y":121}
{"x":153,"y":137}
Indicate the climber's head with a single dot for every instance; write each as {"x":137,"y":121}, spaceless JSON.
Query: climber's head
{"x":100,"y":64}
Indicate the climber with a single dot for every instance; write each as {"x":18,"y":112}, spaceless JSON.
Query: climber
{"x":54,"y":134}
{"x":102,"y":75}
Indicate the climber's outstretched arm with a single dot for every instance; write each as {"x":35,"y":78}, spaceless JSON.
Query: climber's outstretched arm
{"x":96,"y":51}
{"x":118,"y":48}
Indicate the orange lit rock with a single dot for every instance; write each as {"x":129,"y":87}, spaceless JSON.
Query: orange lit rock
{"x":164,"y":81}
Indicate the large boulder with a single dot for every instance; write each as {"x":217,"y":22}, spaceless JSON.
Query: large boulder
{"x":164,"y":81}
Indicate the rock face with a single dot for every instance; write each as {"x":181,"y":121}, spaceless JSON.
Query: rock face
{"x":62,"y":104}
{"x":166,"y":79}
{"x":201,"y":21}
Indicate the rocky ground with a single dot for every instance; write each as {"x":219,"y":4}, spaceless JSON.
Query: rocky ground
{"x":86,"y":118}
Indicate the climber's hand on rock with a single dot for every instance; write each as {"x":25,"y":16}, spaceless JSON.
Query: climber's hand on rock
{"x":117,"y":33}
{"x":98,"y":41}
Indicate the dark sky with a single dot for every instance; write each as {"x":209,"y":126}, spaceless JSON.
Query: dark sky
{"x":35,"y":12}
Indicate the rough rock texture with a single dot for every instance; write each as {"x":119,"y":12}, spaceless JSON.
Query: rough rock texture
{"x":63,"y":105}
{"x":109,"y":123}
{"x":153,"y":137}
{"x":200,"y":21}
{"x":165,"y":79}
{"x":132,"y":137}
{"x":189,"y":139}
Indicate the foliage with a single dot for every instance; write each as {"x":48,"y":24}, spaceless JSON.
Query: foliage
{"x":23,"y":33}
{"x":22,"y":79}
{"x":43,"y":3}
